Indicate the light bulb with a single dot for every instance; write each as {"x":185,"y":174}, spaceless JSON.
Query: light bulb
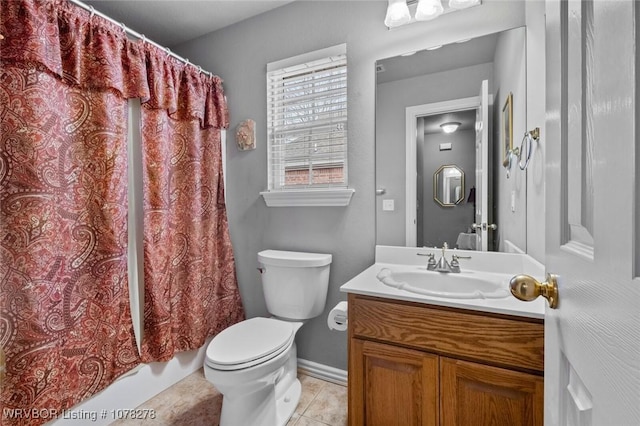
{"x":397,"y":13}
{"x":428,"y":9}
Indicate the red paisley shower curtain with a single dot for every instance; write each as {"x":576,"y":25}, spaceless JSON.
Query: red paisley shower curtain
{"x":190,"y":283}
{"x":65,"y":321}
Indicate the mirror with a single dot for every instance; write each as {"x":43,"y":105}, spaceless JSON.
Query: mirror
{"x":417,"y":158}
{"x":448,"y":185}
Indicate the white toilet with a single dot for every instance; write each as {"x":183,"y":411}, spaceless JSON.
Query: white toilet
{"x":253,"y":364}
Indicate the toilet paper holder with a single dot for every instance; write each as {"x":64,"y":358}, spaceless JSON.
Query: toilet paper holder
{"x":338,"y":319}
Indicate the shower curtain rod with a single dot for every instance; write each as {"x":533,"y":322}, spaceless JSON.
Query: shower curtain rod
{"x":137,"y":35}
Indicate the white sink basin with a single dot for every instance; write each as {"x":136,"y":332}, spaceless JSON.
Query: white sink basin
{"x":464,"y":285}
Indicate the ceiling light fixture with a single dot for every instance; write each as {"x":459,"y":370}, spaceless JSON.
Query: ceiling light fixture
{"x":450,"y":127}
{"x":428,"y":10}
{"x":398,"y":12}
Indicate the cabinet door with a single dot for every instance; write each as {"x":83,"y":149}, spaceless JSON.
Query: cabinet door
{"x":391,"y":386}
{"x":479,"y":395}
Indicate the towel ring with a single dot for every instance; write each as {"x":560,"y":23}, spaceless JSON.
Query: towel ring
{"x":527,"y":142}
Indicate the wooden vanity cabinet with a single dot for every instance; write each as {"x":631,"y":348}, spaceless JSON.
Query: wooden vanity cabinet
{"x":419,"y":364}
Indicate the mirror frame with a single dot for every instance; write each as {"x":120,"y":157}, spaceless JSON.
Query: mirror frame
{"x":507,"y":130}
{"x":435,"y":185}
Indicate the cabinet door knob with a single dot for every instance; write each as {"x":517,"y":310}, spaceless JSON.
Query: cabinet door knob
{"x":527,"y":288}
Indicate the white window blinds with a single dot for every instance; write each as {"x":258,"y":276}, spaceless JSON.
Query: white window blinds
{"x":307,"y":121}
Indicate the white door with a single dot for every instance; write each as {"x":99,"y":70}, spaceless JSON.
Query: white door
{"x":592,"y":340}
{"x":482,"y":168}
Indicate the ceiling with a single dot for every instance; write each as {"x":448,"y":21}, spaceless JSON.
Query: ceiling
{"x":479,"y":50}
{"x":466,"y":53}
{"x":170,"y":23}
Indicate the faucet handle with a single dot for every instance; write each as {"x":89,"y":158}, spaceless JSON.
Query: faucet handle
{"x":431,"y":262}
{"x":456,"y":257}
{"x":431,"y":256}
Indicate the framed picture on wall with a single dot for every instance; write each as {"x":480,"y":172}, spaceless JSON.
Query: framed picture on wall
{"x":507,"y":129}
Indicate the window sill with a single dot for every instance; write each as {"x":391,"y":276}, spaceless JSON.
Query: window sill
{"x":308,"y":197}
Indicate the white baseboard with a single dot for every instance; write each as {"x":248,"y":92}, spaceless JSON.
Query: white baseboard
{"x":321,"y":371}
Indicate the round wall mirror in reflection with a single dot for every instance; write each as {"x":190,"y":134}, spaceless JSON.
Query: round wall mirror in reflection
{"x":448,"y":185}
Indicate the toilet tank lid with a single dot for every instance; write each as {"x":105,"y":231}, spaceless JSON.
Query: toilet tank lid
{"x":293,"y":258}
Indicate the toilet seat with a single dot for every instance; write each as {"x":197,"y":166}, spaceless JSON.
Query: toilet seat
{"x":248,"y":343}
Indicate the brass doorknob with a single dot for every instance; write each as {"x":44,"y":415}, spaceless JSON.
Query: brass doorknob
{"x":527,"y":288}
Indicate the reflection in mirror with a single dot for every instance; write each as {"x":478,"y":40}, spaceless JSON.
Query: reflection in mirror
{"x":442,"y":215}
{"x":442,"y":86}
{"x":448,"y":185}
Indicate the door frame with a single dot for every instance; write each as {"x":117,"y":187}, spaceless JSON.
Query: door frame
{"x":412,"y":113}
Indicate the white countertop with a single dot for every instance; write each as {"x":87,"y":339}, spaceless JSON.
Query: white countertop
{"x":503,"y":265}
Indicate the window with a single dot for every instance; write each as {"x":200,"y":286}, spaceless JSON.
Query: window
{"x":307,"y":123}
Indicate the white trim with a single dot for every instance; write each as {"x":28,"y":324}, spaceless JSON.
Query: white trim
{"x":411,"y":115}
{"x":337,"y":197}
{"x":323,"y":372}
{"x":340,"y":49}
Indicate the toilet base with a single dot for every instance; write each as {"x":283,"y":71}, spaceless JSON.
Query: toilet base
{"x":271,"y":405}
{"x":286,"y":405}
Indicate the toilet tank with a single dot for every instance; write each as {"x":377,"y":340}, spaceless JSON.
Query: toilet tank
{"x":294,"y":283}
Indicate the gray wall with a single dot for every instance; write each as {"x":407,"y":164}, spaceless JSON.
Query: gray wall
{"x":510,"y":77}
{"x":239,"y":55}
{"x":391,"y":101}
{"x":445,"y":223}
{"x":536,"y":98}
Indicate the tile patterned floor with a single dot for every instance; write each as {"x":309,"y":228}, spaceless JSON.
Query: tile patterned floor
{"x":195,"y":402}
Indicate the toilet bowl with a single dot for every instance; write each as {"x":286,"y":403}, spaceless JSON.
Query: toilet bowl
{"x":254,"y":367}
{"x":253,"y":364}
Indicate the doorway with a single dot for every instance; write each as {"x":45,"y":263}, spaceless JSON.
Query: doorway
{"x":445,"y":184}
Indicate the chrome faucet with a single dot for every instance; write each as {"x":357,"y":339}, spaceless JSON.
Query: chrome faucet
{"x":443,"y":265}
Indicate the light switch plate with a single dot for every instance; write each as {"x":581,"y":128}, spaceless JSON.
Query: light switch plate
{"x":388,"y":205}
